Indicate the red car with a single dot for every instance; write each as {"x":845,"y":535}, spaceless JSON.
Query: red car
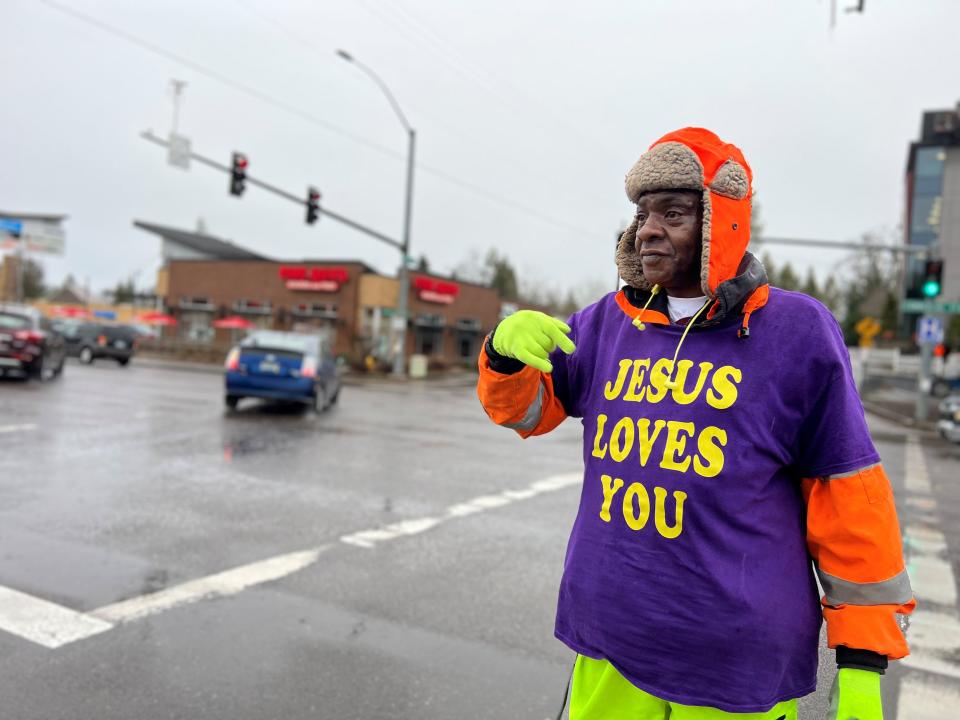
{"x":29,"y":346}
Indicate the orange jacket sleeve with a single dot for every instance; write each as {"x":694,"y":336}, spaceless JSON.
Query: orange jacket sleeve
{"x":854,"y":539}
{"x":524,"y":401}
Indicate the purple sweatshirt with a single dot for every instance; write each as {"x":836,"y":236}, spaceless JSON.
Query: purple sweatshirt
{"x":687,"y":566}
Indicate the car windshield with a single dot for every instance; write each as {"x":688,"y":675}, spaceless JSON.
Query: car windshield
{"x":9,"y":321}
{"x":281,"y":341}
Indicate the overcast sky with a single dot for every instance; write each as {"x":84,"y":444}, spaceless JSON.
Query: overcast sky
{"x":528,"y":116}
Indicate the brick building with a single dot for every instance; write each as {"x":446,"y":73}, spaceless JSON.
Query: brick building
{"x":204,"y":278}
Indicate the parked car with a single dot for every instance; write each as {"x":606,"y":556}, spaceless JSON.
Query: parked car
{"x":285,"y":366}
{"x":90,"y":340}
{"x":29,"y":345}
{"x":948,"y":424}
{"x":943,"y":386}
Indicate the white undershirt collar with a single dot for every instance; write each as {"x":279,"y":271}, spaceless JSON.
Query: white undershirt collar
{"x":680,"y":307}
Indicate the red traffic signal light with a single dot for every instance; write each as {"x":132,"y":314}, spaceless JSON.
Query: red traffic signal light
{"x":238,"y":174}
{"x":313,"y":205}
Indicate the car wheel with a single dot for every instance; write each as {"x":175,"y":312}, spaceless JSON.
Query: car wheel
{"x":123,"y":360}
{"x":940,"y":388}
{"x":39,"y":369}
{"x":86,"y":356}
{"x":231,"y":401}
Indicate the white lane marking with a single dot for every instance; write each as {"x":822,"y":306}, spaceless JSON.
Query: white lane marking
{"x":932,"y":580}
{"x":928,"y":692}
{"x":23,"y":427}
{"x":52,"y":625}
{"x":369,"y":538}
{"x":927,"y":699}
{"x":44,"y":622}
{"x":923,"y":540}
{"x":916,"y":480}
{"x":222,"y":584}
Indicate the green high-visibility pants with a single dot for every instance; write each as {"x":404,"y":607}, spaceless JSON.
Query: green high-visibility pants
{"x":599,"y":692}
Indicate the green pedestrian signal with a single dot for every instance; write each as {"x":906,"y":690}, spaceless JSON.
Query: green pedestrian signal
{"x":932,"y":278}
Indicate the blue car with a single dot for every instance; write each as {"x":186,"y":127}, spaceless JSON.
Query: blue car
{"x":283,"y":366}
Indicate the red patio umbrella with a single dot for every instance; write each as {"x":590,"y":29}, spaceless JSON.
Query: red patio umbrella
{"x":234,"y":322}
{"x":156,"y":318}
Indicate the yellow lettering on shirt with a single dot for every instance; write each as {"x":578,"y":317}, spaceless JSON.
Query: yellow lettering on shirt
{"x":635,"y":389}
{"x":646,"y":438}
{"x":723,"y":394}
{"x":611,"y":390}
{"x":610,"y":487}
{"x":660,"y":513}
{"x":600,"y":452}
{"x":709,"y":442}
{"x":635,"y":518}
{"x":676,"y":443}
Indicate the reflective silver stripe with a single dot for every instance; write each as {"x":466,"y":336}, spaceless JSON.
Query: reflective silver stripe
{"x":851,"y":473}
{"x":894,"y":591}
{"x":532,"y":416}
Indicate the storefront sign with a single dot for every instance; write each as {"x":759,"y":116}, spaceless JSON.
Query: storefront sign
{"x":436,"y":291}
{"x":313,"y":279}
{"x":328,"y":286}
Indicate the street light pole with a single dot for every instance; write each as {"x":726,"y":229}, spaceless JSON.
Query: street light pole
{"x":403,"y":278}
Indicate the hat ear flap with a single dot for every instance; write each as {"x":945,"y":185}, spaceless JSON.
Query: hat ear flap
{"x":628,"y":259}
{"x":706,"y":237}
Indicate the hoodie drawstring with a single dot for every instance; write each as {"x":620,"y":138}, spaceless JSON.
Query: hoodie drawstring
{"x":670,"y":383}
{"x":637,"y":322}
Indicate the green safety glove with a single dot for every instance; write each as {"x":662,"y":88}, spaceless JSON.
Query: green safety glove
{"x":530,"y":336}
{"x":855,"y":695}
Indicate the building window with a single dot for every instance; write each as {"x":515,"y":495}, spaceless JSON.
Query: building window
{"x":428,"y":341}
{"x":252,"y":307}
{"x":197,"y":302}
{"x":195,"y":326}
{"x":316,"y":310}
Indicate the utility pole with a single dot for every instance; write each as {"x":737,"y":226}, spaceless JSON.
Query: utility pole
{"x":399,"y":359}
{"x":178,"y":86}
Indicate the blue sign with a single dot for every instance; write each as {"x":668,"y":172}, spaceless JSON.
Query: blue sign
{"x":105,"y":314}
{"x":930,"y":330}
{"x":11,"y":227}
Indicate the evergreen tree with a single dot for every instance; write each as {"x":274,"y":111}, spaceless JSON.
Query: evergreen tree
{"x":831,"y":296}
{"x":810,"y":286}
{"x":769,"y":266}
{"x":503,"y":278}
{"x":787,"y":279}
{"x":33,"y":285}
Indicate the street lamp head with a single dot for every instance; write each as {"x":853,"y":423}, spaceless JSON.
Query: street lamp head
{"x":345,"y":55}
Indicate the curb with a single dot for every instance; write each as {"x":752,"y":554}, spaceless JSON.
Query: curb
{"x":347,"y":378}
{"x":178,"y":365}
{"x":894,"y":416}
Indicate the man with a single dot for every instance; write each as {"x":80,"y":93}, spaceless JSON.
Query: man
{"x":724,"y":447}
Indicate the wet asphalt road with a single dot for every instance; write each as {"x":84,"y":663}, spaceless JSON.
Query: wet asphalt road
{"x":120,"y":482}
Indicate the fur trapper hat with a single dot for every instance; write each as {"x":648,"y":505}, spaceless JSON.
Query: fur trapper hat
{"x":695,"y":159}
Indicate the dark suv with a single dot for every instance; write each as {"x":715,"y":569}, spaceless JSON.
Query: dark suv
{"x":29,"y":345}
{"x":89,"y":341}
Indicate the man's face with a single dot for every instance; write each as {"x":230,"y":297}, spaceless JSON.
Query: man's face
{"x":669,"y":240}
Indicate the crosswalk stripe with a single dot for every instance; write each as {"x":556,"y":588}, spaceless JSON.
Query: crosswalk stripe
{"x":44,"y":622}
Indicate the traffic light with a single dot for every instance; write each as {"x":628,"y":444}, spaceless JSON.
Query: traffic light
{"x":238,"y":174}
{"x":313,"y":205}
{"x":932,"y":278}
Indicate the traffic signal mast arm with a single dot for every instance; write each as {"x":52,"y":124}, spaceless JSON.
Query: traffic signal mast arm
{"x":299,"y":199}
